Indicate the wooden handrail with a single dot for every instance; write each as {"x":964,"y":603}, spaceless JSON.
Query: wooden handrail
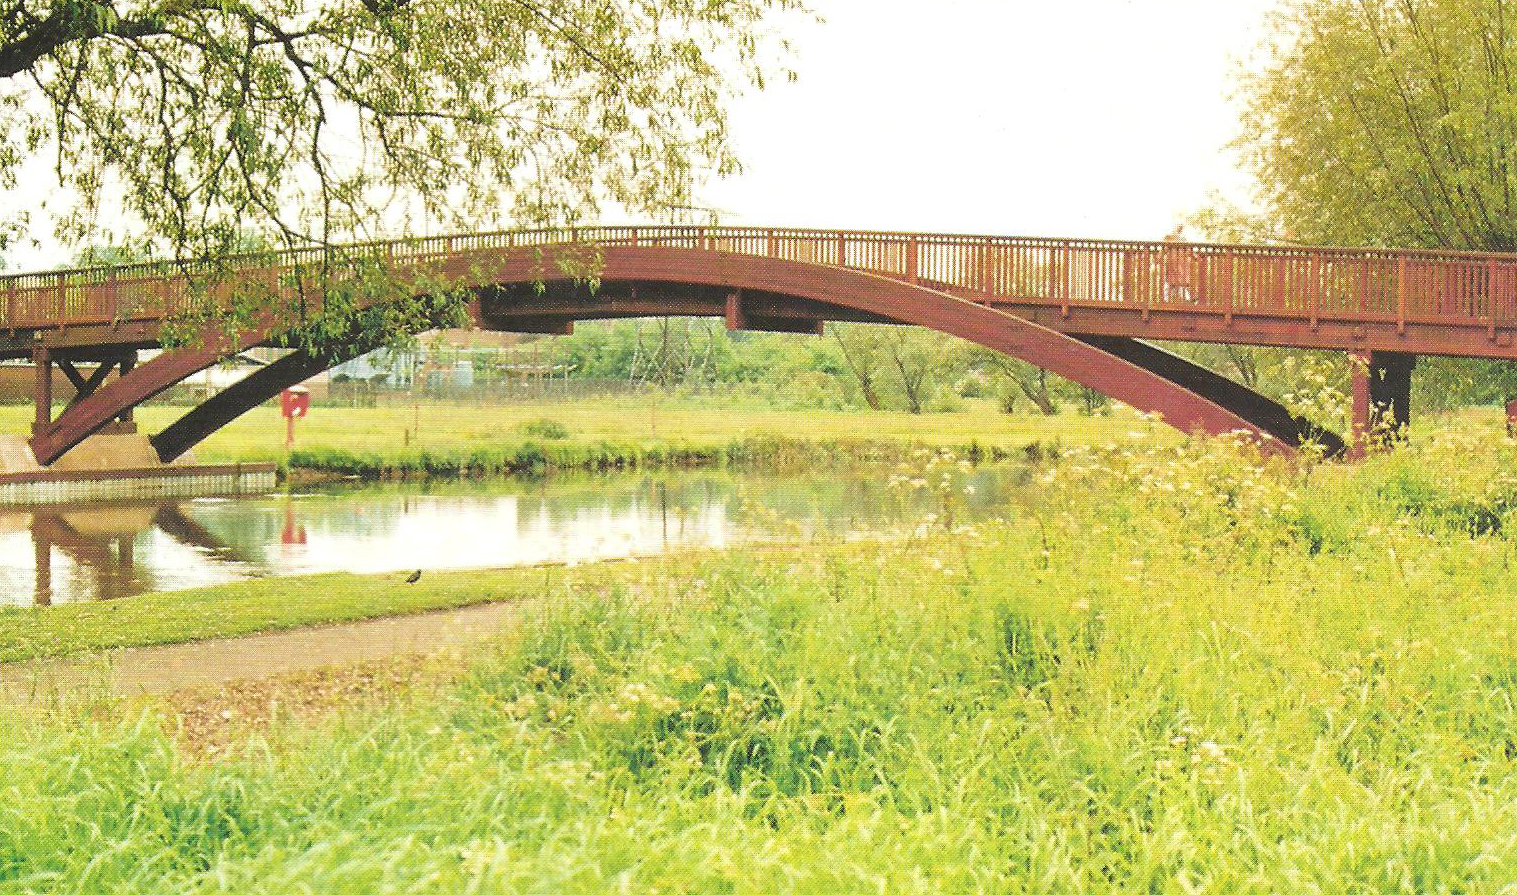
{"x":1299,"y":282}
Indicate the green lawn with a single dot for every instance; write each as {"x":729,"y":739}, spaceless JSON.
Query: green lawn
{"x":269,"y":604}
{"x":1184,"y":673}
{"x":625,"y":425}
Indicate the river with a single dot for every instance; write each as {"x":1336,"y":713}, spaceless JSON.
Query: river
{"x":108,"y":551}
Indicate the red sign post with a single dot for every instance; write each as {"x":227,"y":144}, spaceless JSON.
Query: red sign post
{"x":293,"y":403}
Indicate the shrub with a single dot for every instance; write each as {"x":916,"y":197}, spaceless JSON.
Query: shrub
{"x":546,"y":429}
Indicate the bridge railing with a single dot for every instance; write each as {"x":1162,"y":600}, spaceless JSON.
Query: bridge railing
{"x":1296,"y":283}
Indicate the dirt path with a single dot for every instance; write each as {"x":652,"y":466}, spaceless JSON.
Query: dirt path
{"x":162,"y":669}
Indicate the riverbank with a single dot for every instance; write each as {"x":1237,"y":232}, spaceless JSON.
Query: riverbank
{"x":455,"y":439}
{"x":1187,"y":671}
{"x":1428,"y":483}
{"x":532,"y":457}
{"x":278,"y":604}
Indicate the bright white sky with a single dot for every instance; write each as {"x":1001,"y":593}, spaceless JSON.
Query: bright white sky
{"x":1102,"y":118}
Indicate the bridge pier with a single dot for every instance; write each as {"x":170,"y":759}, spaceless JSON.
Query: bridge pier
{"x":1382,"y":385}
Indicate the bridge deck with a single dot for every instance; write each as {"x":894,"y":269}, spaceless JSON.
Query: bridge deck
{"x":1425,"y":302}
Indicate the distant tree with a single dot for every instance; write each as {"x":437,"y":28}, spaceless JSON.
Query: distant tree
{"x":899,"y":367}
{"x":916,"y":359}
{"x":1221,"y":220}
{"x":1034,"y":383}
{"x":597,"y":350}
{"x":120,"y":253}
{"x":1247,"y":364}
{"x":1392,"y":123}
{"x":1389,"y":122}
{"x":864,"y":356}
{"x":670,"y":350}
{"x":107,"y":256}
{"x":1093,"y":402}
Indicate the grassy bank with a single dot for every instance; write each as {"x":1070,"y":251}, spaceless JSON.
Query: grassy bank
{"x":1186,"y":673}
{"x":267,"y":604}
{"x":533,"y":456}
{"x":437,"y":438}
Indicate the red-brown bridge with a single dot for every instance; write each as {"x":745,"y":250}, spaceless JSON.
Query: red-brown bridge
{"x":1078,"y":307}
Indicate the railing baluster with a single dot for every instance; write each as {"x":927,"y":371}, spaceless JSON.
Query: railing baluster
{"x":1313,"y":285}
{"x":1490,"y":297}
{"x":1227,"y":262}
{"x":986,"y":288}
{"x":1066,"y":279}
{"x":1401,"y":287}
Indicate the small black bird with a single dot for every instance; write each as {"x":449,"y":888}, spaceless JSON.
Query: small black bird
{"x":415,"y":577}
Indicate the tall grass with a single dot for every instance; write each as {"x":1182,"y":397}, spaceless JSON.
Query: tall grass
{"x":1185,"y":672}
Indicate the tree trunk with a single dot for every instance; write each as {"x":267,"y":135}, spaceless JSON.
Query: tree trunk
{"x":858,"y":367}
{"x":1038,"y":394}
{"x":911,"y":386}
{"x":1243,"y":362}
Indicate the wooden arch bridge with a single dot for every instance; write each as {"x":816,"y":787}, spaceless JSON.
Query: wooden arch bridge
{"x":1085,"y":309}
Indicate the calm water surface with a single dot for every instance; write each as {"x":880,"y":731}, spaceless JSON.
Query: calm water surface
{"x":100,"y":552}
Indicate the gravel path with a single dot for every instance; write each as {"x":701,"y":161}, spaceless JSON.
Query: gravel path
{"x":162,"y":669}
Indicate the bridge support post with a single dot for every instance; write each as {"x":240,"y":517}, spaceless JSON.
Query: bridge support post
{"x":1382,"y":386}
{"x":125,"y":423}
{"x":42,"y":390}
{"x":736,"y":319}
{"x":84,"y":386}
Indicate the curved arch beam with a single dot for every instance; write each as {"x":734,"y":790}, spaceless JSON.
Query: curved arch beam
{"x":1271,"y":416}
{"x":856,"y":292}
{"x":917,"y":305}
{"x":240,"y":397}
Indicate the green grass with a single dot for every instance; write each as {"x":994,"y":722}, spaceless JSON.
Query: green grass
{"x":1184,"y":672}
{"x":447,"y":438}
{"x":265,"y":604}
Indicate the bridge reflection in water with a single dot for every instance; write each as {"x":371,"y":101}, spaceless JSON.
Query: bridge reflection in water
{"x":92,"y":552}
{"x":71,"y":554}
